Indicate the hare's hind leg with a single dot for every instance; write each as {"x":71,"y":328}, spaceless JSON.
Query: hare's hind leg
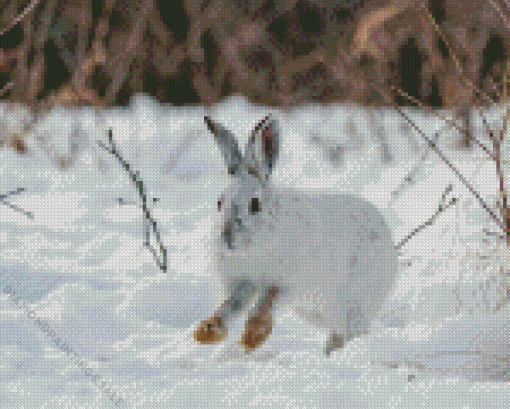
{"x":335,"y":341}
{"x":214,"y":329}
{"x":260,"y":322}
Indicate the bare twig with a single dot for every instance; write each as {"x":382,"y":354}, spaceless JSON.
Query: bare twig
{"x":454,"y":57}
{"x":449,"y":122}
{"x":442,"y":207}
{"x":464,"y":181}
{"x":14,"y":207}
{"x":487,"y":131}
{"x":20,"y":17}
{"x":12,"y":192}
{"x":501,"y":14}
{"x":17,"y":209}
{"x":471,"y":86}
{"x":112,"y":149}
{"x":124,"y":60}
{"x":22,"y":56}
{"x":454,"y":169}
{"x":505,"y":211}
{"x":408,"y":180}
{"x":7,"y":87}
{"x":20,"y":75}
{"x":497,"y":153}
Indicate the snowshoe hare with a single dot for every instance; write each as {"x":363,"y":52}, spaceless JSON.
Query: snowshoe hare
{"x":330,"y":257}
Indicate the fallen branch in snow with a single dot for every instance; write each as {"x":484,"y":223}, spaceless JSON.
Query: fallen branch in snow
{"x":112,"y":149}
{"x":14,"y":207}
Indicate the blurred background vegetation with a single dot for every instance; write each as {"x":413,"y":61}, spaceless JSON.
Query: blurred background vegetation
{"x":443,"y":53}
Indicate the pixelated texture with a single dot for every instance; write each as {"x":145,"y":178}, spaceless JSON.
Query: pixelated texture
{"x":316,"y":257}
{"x":278,"y":53}
{"x":89,"y":320}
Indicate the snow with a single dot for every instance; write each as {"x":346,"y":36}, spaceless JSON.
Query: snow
{"x":78,"y":274}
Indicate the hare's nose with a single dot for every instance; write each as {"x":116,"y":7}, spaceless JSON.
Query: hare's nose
{"x":226,"y":236}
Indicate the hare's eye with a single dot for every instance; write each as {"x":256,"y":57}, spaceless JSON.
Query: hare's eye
{"x":220,"y":201}
{"x":255,"y":206}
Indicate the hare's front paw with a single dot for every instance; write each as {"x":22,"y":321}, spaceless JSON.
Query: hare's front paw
{"x":210,"y":331}
{"x":260,"y":322}
{"x":257,"y":329}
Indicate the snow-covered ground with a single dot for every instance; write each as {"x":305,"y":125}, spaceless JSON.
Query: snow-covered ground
{"x":88,"y":320}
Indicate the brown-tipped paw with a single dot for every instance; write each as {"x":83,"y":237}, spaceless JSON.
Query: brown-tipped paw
{"x":210,"y":331}
{"x":256,"y":331}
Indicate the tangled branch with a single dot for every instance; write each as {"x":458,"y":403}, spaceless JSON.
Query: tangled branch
{"x":161,"y":260}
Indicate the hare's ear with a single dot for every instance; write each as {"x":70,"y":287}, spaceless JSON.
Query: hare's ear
{"x":262,"y":148}
{"x":228,"y":145}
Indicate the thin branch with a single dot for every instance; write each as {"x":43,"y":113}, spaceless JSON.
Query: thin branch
{"x":14,"y":207}
{"x":474,"y":89}
{"x":505,"y":211}
{"x":409,"y":178}
{"x":500,"y":224}
{"x":459,"y":175}
{"x":82,"y":37}
{"x":501,"y":14}
{"x":447,"y":162}
{"x":112,"y":149}
{"x":487,"y":131}
{"x":20,"y":16}
{"x":22,"y":60}
{"x":442,"y":207}
{"x":17,"y":209}
{"x":35,"y":75}
{"x":122,"y":62}
{"x":12,"y":192}
{"x":20,"y":74}
{"x":499,"y":172}
{"x":496,"y":142}
{"x":505,"y":83}
{"x":386,"y":156}
{"x":449,"y":122}
{"x":454,"y":58}
{"x":7,"y":87}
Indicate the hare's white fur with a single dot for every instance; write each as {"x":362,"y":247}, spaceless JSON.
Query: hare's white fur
{"x":330,"y":255}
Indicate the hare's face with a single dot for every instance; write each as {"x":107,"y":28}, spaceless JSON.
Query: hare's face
{"x":245,"y":206}
{"x":241,"y":209}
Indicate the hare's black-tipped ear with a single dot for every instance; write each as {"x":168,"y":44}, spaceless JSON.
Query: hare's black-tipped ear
{"x":228,"y":145}
{"x":263,"y":148}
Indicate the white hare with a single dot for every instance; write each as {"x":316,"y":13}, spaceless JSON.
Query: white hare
{"x":330,"y":257}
